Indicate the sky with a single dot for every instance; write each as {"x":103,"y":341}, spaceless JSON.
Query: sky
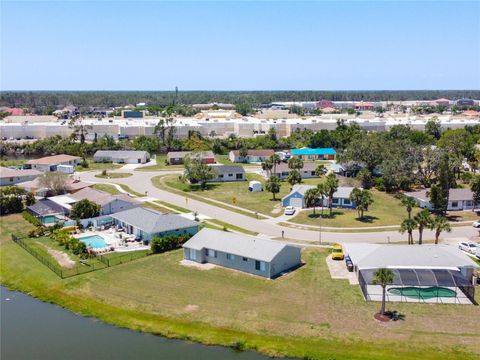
{"x":246,"y":45}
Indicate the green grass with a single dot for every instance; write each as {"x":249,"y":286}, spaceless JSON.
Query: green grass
{"x":92,"y":165}
{"x":130,"y":190}
{"x":233,"y":193}
{"x":160,"y":165}
{"x":175,"y":207}
{"x":107,"y":188}
{"x":305,"y":314}
{"x":12,"y":162}
{"x":231,"y":227}
{"x":223,"y":159}
{"x":114,"y":175}
{"x":385,"y":210}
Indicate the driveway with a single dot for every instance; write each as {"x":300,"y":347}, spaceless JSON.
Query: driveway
{"x":141,"y":182}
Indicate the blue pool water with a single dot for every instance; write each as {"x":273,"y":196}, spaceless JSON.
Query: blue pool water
{"x":94,"y":241}
{"x":49,"y":219}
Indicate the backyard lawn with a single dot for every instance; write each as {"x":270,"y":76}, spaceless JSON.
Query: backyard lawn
{"x":160,"y":165}
{"x":304,"y":314}
{"x":234,"y":193}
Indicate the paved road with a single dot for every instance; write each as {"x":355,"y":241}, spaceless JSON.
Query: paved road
{"x":140,"y":181}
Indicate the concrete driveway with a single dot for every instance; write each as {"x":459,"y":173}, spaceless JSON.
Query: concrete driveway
{"x":141,"y":182}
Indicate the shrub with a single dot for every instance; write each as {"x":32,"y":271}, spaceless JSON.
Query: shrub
{"x":379,"y":184}
{"x":84,"y":163}
{"x":37,"y":232}
{"x":104,"y":172}
{"x":31,"y":219}
{"x":171,"y":242}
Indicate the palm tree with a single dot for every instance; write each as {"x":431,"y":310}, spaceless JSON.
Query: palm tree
{"x":274,"y":160}
{"x":439,"y":224}
{"x":322,"y":193}
{"x":409,"y":203}
{"x":383,"y":277}
{"x":267,"y":166}
{"x":331,"y":186}
{"x":320,"y":170}
{"x":295,"y":163}
{"x":273,"y":185}
{"x":423,"y":220}
{"x":311,"y":198}
{"x":408,"y":225}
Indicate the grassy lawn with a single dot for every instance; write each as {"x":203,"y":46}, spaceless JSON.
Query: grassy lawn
{"x":92,"y":165}
{"x":130,"y":190}
{"x":305,"y":314}
{"x":160,"y":165}
{"x":234,"y":193}
{"x":385,"y":210}
{"x":12,"y":162}
{"x":107,"y":188}
{"x":223,"y":159}
{"x":115,"y":175}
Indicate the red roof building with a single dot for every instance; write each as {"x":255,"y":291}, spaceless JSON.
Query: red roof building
{"x":15,"y":111}
{"x":325,"y":104}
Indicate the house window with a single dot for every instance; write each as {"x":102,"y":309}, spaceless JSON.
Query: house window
{"x":312,"y":173}
{"x":230,"y":257}
{"x":335,"y":201}
{"x":11,"y":179}
{"x":192,"y":254}
{"x":211,"y":253}
{"x":230,"y":175}
{"x":240,"y":176}
{"x":346,"y":202}
{"x":454,"y":204}
{"x":469,"y":203}
{"x":220,"y":176}
{"x":245,"y":259}
{"x":259,"y":265}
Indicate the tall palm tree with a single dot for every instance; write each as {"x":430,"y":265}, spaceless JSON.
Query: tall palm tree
{"x":295,"y":163}
{"x":331,"y":186}
{"x":439,"y":224}
{"x":409,"y":203}
{"x":311,"y":198}
{"x":408,"y":225}
{"x":267,"y":167}
{"x":320,"y":170}
{"x":383,"y":277}
{"x":423,"y":220}
{"x":322,"y":193}
{"x":275,"y":159}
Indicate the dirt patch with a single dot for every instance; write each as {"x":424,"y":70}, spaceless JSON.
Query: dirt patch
{"x":62,"y":258}
{"x":191,"y":308}
{"x":199,"y":266}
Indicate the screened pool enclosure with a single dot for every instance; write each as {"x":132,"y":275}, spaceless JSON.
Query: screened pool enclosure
{"x":442,"y":286}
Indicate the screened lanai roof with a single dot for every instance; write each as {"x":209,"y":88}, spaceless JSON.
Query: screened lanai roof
{"x":420,"y":277}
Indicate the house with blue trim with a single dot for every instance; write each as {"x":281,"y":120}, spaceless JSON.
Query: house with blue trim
{"x":307,"y":153}
{"x":341,"y":198}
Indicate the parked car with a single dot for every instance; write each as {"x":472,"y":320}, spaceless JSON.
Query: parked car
{"x":337,"y":252}
{"x":468,"y":246}
{"x":476,"y":224}
{"x":289,"y":210}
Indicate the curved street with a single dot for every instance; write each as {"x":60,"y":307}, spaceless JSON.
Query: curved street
{"x":140,"y":181}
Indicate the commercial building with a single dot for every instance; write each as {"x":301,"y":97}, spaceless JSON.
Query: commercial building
{"x":245,"y":253}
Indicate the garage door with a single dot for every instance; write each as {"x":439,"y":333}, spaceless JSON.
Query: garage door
{"x":296,"y":202}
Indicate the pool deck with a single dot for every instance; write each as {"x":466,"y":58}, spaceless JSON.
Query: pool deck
{"x":116,"y":239}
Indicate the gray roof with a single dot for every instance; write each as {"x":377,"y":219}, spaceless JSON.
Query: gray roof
{"x":229,"y":169}
{"x":8,"y":173}
{"x":191,"y":154}
{"x":151,"y":221}
{"x":237,"y":244}
{"x":100,"y":197}
{"x":45,"y":207}
{"x":342,"y":191}
{"x":123,"y":154}
{"x":454,"y":195}
{"x":307,"y":166}
{"x":373,"y":256}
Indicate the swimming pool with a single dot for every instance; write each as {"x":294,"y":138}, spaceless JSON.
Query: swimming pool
{"x":49,"y":219}
{"x":94,"y":241}
{"x":422,"y":293}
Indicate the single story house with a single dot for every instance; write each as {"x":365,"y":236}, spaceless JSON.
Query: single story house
{"x":45,"y":207}
{"x":282,"y":171}
{"x":229,"y":173}
{"x":178,"y":157}
{"x":71,"y":186}
{"x":458,"y":199}
{"x":13,"y":176}
{"x":253,"y":156}
{"x":50,"y":163}
{"x":307,"y":153}
{"x":122,"y":156}
{"x":254,"y":255}
{"x":427,"y":273}
{"x":109,"y":204}
{"x":146,"y":223}
{"x":341,"y":198}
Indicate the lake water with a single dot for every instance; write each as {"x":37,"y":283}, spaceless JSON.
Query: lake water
{"x":31,"y":329}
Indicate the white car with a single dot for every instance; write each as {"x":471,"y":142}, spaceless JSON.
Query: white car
{"x":289,"y":210}
{"x":469,"y":247}
{"x":476,"y":224}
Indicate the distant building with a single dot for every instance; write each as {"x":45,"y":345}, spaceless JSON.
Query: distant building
{"x":341,"y":198}
{"x":465,"y":102}
{"x":253,"y":255}
{"x":147,"y":223}
{"x":314,"y":154}
{"x":364,"y":105}
{"x":458,"y":199}
{"x":122,"y":156}
{"x":178,"y":157}
{"x":325,"y":104}
{"x":15,"y":111}
{"x":253,"y":156}
{"x":442,"y":102}
{"x":133,"y":114}
{"x":50,"y":163}
{"x":109,"y":204}
{"x":13,"y":176}
{"x":229,"y":173}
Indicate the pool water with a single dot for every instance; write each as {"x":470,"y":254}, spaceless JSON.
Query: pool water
{"x":49,"y":219}
{"x":423,"y":293}
{"x":94,"y":241}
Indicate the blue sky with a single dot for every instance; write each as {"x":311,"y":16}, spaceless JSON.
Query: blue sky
{"x":120,"y":45}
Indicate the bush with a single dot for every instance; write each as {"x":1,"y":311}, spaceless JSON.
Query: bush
{"x":104,"y":172}
{"x":171,"y":242}
{"x":379,"y":184}
{"x":84,"y":163}
{"x":466,"y":177}
{"x":37,"y":232}
{"x":31,"y":219}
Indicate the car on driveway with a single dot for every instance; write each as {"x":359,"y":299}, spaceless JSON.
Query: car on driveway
{"x":337,"y":252}
{"x":289,"y":210}
{"x":468,"y":246}
{"x":476,"y":224}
